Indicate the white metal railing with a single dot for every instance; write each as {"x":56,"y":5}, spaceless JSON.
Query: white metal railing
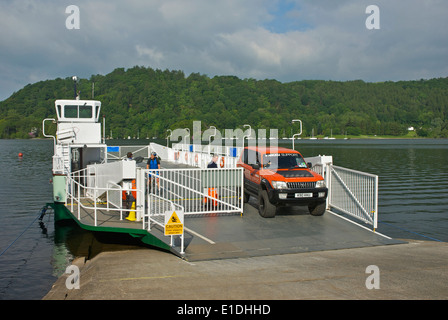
{"x":193,"y":191}
{"x":354,"y":193}
{"x":210,"y":149}
{"x":120,"y":152}
{"x":199,"y":191}
{"x":47,"y":135}
{"x":83,"y":193}
{"x":157,"y":208}
{"x":200,"y":155}
{"x":200,"y":160}
{"x":350,"y":192}
{"x":114,"y":197}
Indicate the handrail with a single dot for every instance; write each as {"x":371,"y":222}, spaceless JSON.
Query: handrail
{"x":297,"y":134}
{"x":73,"y":185}
{"x":202,"y":190}
{"x":354,"y":193}
{"x":138,"y":148}
{"x":49,"y":136}
{"x":120,"y":190}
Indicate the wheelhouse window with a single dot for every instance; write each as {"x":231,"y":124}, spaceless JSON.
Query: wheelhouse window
{"x":85,"y":111}
{"x":74,"y":111}
{"x":70,"y":111}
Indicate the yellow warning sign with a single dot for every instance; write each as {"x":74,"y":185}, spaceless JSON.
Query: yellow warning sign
{"x":173,"y":225}
{"x":174,"y":219}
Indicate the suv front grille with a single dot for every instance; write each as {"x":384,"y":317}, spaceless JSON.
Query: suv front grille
{"x":301,"y":185}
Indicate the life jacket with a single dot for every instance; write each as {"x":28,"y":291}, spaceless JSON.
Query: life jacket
{"x":153,"y":163}
{"x":134,"y":192}
{"x":213,"y":193}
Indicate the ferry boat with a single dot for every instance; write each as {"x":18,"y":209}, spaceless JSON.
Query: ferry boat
{"x":79,"y":187}
{"x":171,"y":207}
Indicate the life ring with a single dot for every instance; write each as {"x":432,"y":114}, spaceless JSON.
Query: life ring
{"x":221,"y":163}
{"x":186,"y":156}
{"x":196,"y":158}
{"x":176,"y":155}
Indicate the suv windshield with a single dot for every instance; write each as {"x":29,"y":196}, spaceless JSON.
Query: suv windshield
{"x":283,"y":161}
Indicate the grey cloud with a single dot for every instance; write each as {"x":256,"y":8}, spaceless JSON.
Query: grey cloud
{"x":223,"y":37}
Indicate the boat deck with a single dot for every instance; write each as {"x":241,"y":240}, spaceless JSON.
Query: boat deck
{"x":105,"y":219}
{"x":222,"y":236}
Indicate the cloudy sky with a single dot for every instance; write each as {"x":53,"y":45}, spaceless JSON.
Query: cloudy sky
{"x":286,"y":40}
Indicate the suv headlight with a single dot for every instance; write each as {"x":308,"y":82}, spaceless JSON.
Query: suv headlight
{"x":320,"y":184}
{"x":279,"y":185}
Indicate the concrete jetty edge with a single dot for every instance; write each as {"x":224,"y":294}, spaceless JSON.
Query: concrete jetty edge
{"x":413,"y":270}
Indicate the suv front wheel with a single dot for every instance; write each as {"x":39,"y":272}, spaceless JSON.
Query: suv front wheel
{"x":317,"y":209}
{"x":265,"y":208}
{"x":246,"y":197}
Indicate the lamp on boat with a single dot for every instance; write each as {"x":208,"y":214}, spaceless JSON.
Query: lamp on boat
{"x":168,"y":137}
{"x":75,"y":80}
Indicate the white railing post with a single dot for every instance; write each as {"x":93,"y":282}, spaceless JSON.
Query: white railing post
{"x":94,"y":205}
{"x":72,"y":190}
{"x":328,"y":182}
{"x":375,"y":219}
{"x":79,"y":197}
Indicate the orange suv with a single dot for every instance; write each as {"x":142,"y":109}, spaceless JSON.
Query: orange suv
{"x":281,"y":177}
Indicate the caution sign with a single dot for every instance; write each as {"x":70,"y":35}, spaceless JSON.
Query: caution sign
{"x":174,"y":223}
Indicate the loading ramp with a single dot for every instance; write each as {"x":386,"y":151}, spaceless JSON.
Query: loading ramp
{"x":293,"y":230}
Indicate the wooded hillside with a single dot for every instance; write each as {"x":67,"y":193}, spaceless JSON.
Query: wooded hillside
{"x":146,"y":102}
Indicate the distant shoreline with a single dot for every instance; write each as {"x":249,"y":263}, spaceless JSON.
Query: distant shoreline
{"x":280,"y":139}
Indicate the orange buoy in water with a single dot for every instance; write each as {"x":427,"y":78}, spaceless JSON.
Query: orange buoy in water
{"x":20,"y":155}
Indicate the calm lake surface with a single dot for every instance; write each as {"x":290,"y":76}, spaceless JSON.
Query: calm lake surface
{"x":413,"y":178}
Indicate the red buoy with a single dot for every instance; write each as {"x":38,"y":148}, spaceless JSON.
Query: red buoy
{"x":20,"y":154}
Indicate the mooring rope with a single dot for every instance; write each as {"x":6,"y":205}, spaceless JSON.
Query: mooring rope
{"x":39,"y":216}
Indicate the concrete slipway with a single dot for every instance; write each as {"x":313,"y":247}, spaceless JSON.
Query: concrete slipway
{"x":309,"y":258}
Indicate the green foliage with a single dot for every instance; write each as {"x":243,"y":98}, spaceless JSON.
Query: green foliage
{"x":146,"y":102}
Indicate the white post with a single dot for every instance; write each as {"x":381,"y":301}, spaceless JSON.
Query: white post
{"x":242,"y":190}
{"x":140,"y":201}
{"x":94,"y":201}
{"x":182,"y":251}
{"x":375,"y":216}
{"x":297,"y":134}
{"x":328,"y":183}
{"x":79,"y":197}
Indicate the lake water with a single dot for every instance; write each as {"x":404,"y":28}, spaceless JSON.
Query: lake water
{"x":413,"y":178}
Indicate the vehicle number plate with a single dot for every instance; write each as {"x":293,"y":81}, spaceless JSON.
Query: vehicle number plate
{"x":304,"y":195}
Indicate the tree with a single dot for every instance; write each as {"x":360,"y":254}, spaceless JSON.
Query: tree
{"x":141,"y":99}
